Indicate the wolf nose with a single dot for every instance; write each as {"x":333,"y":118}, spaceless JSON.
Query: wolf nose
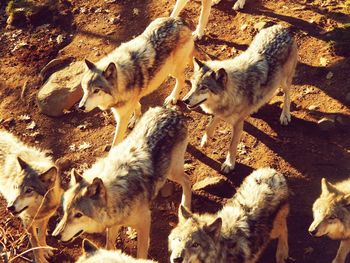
{"x":186,"y":101}
{"x":313,"y":232}
{"x":11,"y":208}
{"x":178,"y":260}
{"x":58,"y":236}
{"x":82,"y":107}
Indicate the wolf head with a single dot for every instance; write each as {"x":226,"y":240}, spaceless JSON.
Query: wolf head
{"x":206,"y":84}
{"x":193,"y":240}
{"x":331,"y":213}
{"x":83,"y":206}
{"x":97,"y":85}
{"x":30,"y":186}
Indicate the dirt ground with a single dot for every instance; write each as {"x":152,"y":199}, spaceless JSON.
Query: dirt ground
{"x":301,"y":150}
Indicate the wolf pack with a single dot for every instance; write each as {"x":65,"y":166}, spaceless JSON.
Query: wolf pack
{"x":119,"y":188}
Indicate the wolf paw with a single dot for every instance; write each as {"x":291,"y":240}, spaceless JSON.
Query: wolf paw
{"x":204,"y":141}
{"x":238,"y":5}
{"x":170,"y":100}
{"x":285,"y":118}
{"x":227,"y":167}
{"x":198,"y":34}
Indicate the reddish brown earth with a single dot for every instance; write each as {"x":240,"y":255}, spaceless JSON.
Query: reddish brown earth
{"x":301,"y":151}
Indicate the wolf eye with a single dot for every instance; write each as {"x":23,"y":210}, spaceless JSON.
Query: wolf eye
{"x":96,"y":91}
{"x":29,"y":190}
{"x":332,"y":217}
{"x":195,"y":245}
{"x":78,"y":215}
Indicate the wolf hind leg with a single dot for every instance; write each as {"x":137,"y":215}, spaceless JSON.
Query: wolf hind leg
{"x":180,"y":4}
{"x":178,"y":175}
{"x":280,"y":231}
{"x":111,"y":236}
{"x":343,"y":251}
{"x":285,"y":117}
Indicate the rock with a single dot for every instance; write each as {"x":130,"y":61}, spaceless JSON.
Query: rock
{"x":329,"y":75}
{"x":167,"y":190}
{"x":326,"y":124}
{"x":208,"y":182}
{"x":62,"y":90}
{"x":64,"y":163}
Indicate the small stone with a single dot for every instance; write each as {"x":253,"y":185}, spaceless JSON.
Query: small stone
{"x":312,"y":107}
{"x":208,"y":182}
{"x":136,"y":11}
{"x":260,"y":25}
{"x":167,"y":190}
{"x":329,"y":75}
{"x":326,"y":124}
{"x":59,"y":39}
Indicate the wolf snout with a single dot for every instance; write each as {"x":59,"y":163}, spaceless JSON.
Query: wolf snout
{"x":186,"y":101}
{"x":11,"y":208}
{"x":81,"y":107}
{"x":58,"y":236}
{"x":313,"y":232}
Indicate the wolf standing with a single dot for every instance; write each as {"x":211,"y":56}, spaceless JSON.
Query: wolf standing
{"x":242,"y":229}
{"x":232,"y":89}
{"x":30,"y":183}
{"x":118,"y":189}
{"x":135,"y":69}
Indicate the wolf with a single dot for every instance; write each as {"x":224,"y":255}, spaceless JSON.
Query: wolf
{"x":243,"y":228}
{"x":118,"y":189}
{"x":204,"y":14}
{"x":30,"y":183}
{"x":92,"y":254}
{"x":332,"y":216}
{"x":137,"y":68}
{"x":232,"y":89}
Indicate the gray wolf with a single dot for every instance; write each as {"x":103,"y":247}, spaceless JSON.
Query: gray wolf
{"x":92,"y":254}
{"x":118,"y":189}
{"x":232,"y":89}
{"x":135,"y":69}
{"x":204,"y":15}
{"x":30,"y":183}
{"x":331,"y":216}
{"x":243,"y":228}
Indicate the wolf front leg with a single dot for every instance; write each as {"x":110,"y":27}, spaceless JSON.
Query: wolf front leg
{"x":209,"y":131}
{"x":230,"y":161}
{"x":42,"y":228}
{"x":111,"y":236}
{"x":122,"y":116}
{"x":343,"y":251}
{"x":180,"y":4}
{"x":34,"y":241}
{"x":203,"y":19}
{"x":143,"y":228}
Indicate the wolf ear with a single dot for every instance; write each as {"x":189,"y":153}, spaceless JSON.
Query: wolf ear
{"x":75,"y":177}
{"x":89,"y":64}
{"x":89,"y":247}
{"x":197,"y":64}
{"x":214,"y":229}
{"x":221,"y":76}
{"x":49,"y":177}
{"x":184,"y":214}
{"x":22,"y":163}
{"x":110,"y":72}
{"x":328,"y":188}
{"x":97,"y":189}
